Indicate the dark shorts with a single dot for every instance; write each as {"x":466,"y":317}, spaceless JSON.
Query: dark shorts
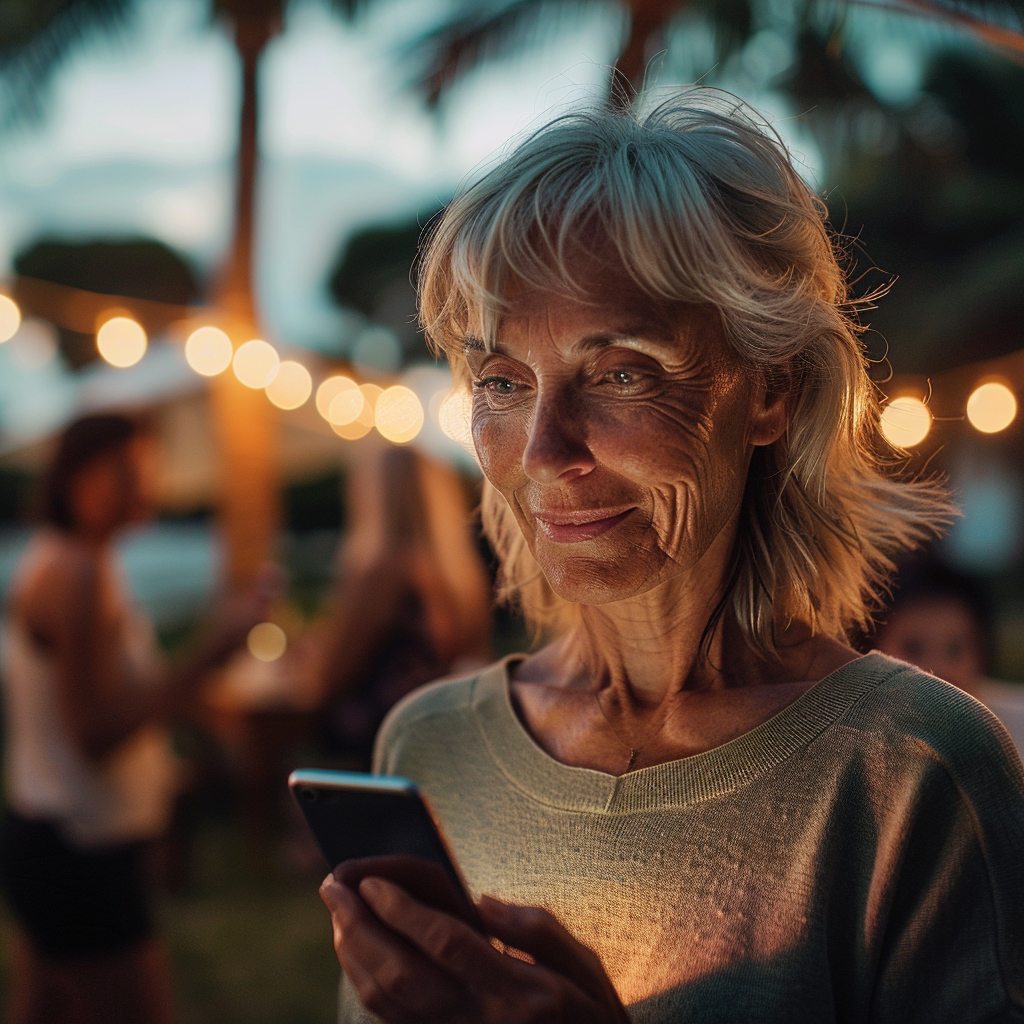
{"x":73,"y":902}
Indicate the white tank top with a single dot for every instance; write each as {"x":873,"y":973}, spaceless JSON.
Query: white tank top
{"x":122,"y":797}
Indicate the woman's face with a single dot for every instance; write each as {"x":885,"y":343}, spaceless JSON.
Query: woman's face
{"x":116,"y":488}
{"x":621,"y":443}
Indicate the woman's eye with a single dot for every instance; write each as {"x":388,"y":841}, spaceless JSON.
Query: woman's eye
{"x":497,"y":385}
{"x":623,"y":378}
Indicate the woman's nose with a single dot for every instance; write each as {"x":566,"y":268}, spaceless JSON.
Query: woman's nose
{"x":557,"y":444}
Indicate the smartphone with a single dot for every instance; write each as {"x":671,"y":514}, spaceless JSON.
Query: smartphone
{"x":382,"y":825}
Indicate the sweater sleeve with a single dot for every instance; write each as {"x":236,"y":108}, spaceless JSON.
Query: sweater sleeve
{"x":952,"y":948}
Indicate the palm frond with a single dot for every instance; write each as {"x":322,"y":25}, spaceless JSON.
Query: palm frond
{"x":999,"y":24}
{"x":482,"y":32}
{"x":37,"y":36}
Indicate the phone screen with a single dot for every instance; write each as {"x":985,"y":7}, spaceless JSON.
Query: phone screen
{"x":357,"y":817}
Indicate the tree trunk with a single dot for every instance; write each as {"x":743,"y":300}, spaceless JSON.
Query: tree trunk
{"x":647,"y":22}
{"x":244,"y":419}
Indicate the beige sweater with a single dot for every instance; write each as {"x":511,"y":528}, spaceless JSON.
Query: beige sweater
{"x":858,"y":857}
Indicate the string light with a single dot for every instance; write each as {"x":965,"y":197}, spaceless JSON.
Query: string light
{"x":398,"y":414}
{"x":347,"y":405}
{"x":121,"y":341}
{"x":208,"y":351}
{"x":992,"y":407}
{"x":328,"y":389}
{"x":255,"y":363}
{"x":10,"y":318}
{"x":267,"y":641}
{"x":905,"y":421}
{"x":454,"y":415}
{"x":362,"y":423}
{"x":290,"y":386}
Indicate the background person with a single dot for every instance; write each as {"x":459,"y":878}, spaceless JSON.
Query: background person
{"x":412,"y":595}
{"x":941,"y":621}
{"x":89,"y":773}
{"x":698,"y":801}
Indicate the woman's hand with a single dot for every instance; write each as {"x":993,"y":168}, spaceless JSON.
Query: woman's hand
{"x":239,"y":612}
{"x":410,"y":963}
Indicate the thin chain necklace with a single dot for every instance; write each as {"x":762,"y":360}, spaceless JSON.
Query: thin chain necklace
{"x":634,"y":751}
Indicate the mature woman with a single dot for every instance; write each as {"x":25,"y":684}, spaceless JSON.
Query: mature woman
{"x":88,"y":773}
{"x":697,"y":802}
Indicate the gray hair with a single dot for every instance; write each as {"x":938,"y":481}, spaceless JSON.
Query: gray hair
{"x":697,"y":201}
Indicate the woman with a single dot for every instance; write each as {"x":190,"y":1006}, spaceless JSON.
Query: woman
{"x":411,"y":595}
{"x":89,"y":775}
{"x":941,"y":621}
{"x":697,"y":802}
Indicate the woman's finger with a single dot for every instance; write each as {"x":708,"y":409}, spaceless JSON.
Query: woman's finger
{"x":538,"y":933}
{"x":392,"y":978}
{"x":452,"y":944}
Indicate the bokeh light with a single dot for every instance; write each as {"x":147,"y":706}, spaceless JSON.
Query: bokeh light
{"x":455,"y":416}
{"x":398,"y":414}
{"x":10,"y":318}
{"x":992,"y":407}
{"x":291,"y":385}
{"x":267,"y":641}
{"x":121,"y":341}
{"x":328,"y":389}
{"x":208,"y":351}
{"x":363,"y":422}
{"x":905,"y":421}
{"x":346,"y":406}
{"x":255,"y":363}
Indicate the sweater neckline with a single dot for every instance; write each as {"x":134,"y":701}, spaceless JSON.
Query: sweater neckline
{"x":677,"y":783}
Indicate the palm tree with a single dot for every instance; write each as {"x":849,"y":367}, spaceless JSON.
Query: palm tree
{"x":484,"y":29}
{"x":35,"y":39}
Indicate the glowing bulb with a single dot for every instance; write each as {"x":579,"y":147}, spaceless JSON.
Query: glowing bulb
{"x":328,"y":389}
{"x":454,"y":414}
{"x":905,"y":421}
{"x":121,"y":341}
{"x":255,"y":363}
{"x":991,"y":407}
{"x":362,"y":424}
{"x":267,"y":641}
{"x":10,"y":318}
{"x":399,"y":414}
{"x":291,"y":385}
{"x":208,"y":351}
{"x":346,"y":406}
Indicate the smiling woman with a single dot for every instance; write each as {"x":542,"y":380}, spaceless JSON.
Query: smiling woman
{"x":696,"y":801}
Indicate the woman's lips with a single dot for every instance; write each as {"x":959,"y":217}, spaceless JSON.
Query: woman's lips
{"x":573,"y":527}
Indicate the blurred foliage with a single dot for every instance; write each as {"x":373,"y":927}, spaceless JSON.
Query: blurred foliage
{"x":37,"y":36}
{"x":935,"y":192}
{"x":374,"y":274}
{"x":139,"y":268}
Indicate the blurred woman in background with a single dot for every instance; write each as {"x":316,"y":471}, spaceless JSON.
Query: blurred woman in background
{"x":941,"y":621}
{"x":412,"y":596}
{"x":89,"y":772}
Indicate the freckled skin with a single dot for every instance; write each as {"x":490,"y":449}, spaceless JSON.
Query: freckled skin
{"x":656,"y":424}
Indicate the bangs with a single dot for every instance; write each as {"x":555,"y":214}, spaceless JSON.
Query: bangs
{"x":688,"y":205}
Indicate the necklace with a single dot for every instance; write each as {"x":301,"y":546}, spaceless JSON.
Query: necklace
{"x":634,"y":751}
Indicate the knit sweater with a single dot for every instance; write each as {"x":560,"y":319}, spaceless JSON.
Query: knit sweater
{"x":859,"y":857}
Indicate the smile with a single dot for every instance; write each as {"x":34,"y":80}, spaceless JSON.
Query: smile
{"x":573,"y":527}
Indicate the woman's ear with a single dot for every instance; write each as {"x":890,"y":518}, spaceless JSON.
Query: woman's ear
{"x":769,"y":415}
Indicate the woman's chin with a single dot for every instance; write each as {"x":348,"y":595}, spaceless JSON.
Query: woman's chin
{"x":594,"y":581}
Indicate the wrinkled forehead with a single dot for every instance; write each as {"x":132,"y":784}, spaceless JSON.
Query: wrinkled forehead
{"x":608,"y":311}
